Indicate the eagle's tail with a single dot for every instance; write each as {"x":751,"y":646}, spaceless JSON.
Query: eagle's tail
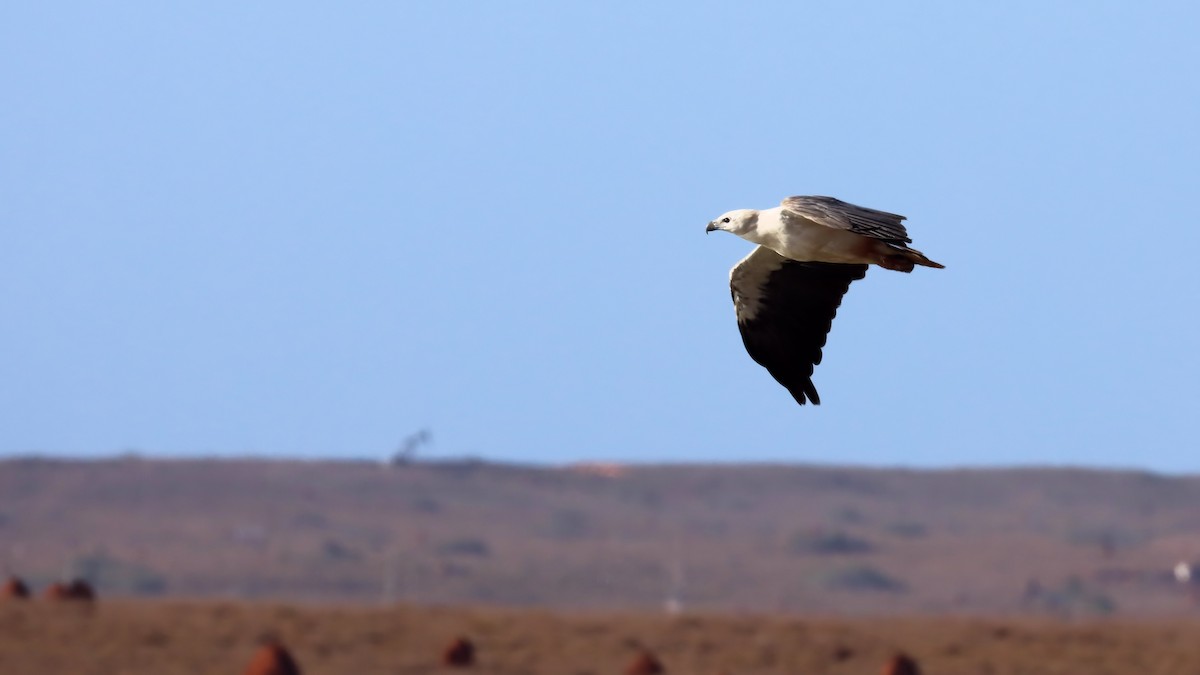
{"x":903,"y":259}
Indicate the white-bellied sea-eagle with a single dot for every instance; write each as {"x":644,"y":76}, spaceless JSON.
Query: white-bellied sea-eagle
{"x":787,"y":291}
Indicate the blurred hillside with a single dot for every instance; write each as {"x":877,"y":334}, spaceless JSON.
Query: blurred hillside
{"x":741,"y":537}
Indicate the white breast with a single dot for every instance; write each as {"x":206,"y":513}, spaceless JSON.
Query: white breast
{"x":803,"y":239}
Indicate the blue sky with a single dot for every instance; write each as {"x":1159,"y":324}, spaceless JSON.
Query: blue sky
{"x":306,"y":229}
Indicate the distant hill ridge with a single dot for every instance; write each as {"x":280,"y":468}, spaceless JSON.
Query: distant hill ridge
{"x":604,"y":535}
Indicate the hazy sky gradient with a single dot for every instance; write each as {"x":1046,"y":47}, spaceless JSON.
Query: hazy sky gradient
{"x":312,"y":229}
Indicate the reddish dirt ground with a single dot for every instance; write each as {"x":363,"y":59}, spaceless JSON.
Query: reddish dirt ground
{"x":164,"y":637}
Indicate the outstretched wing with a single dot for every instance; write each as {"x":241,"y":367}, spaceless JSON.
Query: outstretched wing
{"x":784,"y":311}
{"x":840,"y":215}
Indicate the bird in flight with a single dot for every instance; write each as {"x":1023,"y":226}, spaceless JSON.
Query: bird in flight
{"x":787,"y":291}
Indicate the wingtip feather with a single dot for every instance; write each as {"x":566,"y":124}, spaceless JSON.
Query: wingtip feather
{"x":805,"y":393}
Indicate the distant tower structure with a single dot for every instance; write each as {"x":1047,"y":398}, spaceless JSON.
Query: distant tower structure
{"x":410,"y":444}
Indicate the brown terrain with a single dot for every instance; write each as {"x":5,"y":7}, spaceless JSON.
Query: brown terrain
{"x":167,"y":637}
{"x":359,"y":567}
{"x":772,"y":539}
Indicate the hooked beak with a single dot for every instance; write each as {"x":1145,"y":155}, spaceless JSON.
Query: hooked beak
{"x":711,"y":226}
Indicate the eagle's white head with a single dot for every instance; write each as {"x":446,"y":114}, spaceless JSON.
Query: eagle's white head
{"x":740,"y":222}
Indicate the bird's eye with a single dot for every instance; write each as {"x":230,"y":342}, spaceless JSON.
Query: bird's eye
{"x":724,"y":220}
